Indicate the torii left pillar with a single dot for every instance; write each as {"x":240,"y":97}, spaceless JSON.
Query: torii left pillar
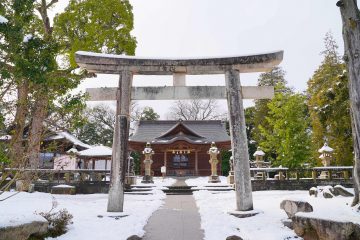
{"x":120,"y":143}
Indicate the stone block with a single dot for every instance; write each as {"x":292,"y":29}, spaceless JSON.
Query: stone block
{"x":214,"y":179}
{"x":292,"y":207}
{"x":24,"y":231}
{"x":234,"y":237}
{"x":341,"y":191}
{"x":324,"y":229}
{"x":63,"y":189}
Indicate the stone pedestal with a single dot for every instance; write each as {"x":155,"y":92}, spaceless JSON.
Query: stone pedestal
{"x":230,"y":178}
{"x":214,"y":179}
{"x":130,"y":180}
{"x":147,"y":179}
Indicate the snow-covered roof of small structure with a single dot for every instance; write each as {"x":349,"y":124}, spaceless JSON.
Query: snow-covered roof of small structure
{"x":325,"y":148}
{"x":69,"y":137}
{"x":259,"y":152}
{"x":96,"y":151}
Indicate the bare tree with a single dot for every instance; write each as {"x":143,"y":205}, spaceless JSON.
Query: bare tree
{"x":350,"y":15}
{"x":196,"y":109}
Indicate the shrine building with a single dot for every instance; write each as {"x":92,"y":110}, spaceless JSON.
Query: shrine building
{"x":181,"y":146}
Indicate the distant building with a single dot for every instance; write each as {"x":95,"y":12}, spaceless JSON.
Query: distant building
{"x":181,"y":146}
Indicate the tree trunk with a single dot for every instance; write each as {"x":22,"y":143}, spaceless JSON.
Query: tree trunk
{"x":17,"y":143}
{"x":36,"y":129}
{"x":351,"y":34}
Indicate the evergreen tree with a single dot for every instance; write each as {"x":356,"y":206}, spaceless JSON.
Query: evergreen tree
{"x":288,"y":133}
{"x":148,"y":113}
{"x":30,"y":48}
{"x":275,"y":78}
{"x":329,"y":106}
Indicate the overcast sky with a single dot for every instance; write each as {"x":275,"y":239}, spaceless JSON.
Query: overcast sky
{"x":196,"y":28}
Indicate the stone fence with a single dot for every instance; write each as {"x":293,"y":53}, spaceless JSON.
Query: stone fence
{"x":97,"y":181}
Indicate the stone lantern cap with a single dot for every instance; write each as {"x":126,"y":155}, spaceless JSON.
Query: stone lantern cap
{"x":148,"y":149}
{"x":259,"y":152}
{"x":325,"y":149}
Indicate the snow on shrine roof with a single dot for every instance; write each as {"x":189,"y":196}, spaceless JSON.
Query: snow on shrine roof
{"x":96,"y":151}
{"x":206,"y":132}
{"x":69,"y":137}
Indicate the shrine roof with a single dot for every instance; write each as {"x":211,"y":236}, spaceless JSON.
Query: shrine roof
{"x":168,"y":131}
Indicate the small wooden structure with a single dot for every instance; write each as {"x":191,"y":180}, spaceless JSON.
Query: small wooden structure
{"x":97,"y":157}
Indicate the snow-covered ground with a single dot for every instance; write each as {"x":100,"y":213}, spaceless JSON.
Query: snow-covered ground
{"x":91,"y":220}
{"x":203,"y":181}
{"x":158,"y":182}
{"x":217,"y":223}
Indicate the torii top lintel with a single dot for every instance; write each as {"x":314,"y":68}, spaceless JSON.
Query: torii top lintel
{"x":114,"y":64}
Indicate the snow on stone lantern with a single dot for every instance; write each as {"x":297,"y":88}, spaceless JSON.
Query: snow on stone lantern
{"x":326,"y":156}
{"x":259,"y":163}
{"x":259,"y":157}
{"x":213,"y":152}
{"x":148,"y":152}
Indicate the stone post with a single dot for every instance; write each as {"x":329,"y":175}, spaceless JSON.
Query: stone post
{"x":213,"y":152}
{"x":120,"y":144}
{"x":130,"y":178}
{"x":230,"y":178}
{"x":326,"y":156}
{"x":239,"y":146}
{"x":148,"y":152}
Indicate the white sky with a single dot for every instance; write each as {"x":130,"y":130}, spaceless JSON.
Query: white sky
{"x":196,"y":28}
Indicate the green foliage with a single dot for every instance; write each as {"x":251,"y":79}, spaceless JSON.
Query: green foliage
{"x":137,"y":162}
{"x":329,"y":106}
{"x":225,"y":162}
{"x":98,"y":127}
{"x":275,"y":78}
{"x":250,"y":127}
{"x":92,"y":25}
{"x":288,"y":133}
{"x":148,"y":113}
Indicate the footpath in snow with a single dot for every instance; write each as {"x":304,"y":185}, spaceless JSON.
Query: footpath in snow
{"x":91,"y":220}
{"x":178,"y":219}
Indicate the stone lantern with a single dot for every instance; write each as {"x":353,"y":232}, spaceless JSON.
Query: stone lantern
{"x":259,"y":163}
{"x":213,"y":152}
{"x":230,"y":178}
{"x":326,"y":156}
{"x":130,"y":177}
{"x":148,"y":152}
{"x":259,"y":158}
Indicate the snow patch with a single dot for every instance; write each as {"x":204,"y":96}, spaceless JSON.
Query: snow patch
{"x":27,"y":38}
{"x":3,"y":20}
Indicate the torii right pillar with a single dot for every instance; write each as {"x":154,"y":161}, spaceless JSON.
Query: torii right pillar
{"x":239,"y":145}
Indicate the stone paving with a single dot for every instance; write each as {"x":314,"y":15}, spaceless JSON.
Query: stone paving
{"x":177,"y":219}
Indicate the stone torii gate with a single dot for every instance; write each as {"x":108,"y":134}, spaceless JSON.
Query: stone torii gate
{"x":127,"y":66}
